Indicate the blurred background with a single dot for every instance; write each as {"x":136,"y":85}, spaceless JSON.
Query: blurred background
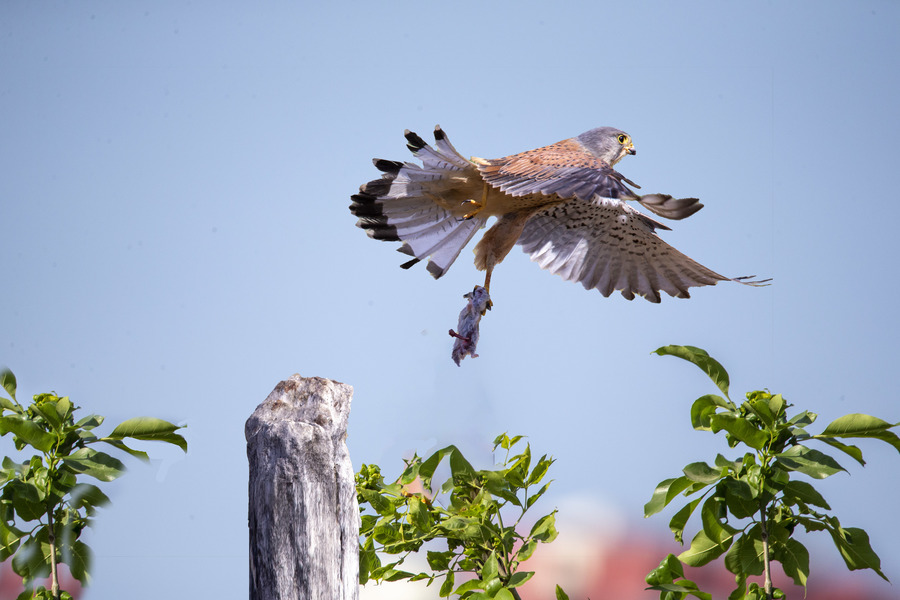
{"x":175,"y":240}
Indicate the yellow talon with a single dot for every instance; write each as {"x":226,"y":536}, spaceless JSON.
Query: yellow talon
{"x":476,"y":208}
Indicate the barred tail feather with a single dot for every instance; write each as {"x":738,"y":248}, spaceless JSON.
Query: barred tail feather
{"x":400,"y":206}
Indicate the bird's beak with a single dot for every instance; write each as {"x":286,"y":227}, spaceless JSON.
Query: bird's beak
{"x":631,"y":150}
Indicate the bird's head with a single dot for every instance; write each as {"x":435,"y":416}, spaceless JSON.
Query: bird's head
{"x":608,"y":144}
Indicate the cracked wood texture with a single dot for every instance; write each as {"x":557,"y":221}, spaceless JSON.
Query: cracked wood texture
{"x":303,"y":516}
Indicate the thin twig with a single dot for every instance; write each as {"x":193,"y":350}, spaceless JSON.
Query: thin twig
{"x":54,"y":576}
{"x":764,"y":534}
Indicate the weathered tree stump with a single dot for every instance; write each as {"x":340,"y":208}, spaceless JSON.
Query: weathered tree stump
{"x":303,"y":517}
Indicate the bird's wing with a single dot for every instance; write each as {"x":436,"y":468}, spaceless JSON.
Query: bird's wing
{"x":564,"y":168}
{"x":607,"y":245}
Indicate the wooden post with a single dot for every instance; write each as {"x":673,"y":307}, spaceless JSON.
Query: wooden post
{"x":303,"y":517}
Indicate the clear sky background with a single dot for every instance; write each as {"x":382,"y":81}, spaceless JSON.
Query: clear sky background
{"x":176,"y":240}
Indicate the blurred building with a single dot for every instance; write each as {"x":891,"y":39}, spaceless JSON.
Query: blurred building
{"x":11,"y":584}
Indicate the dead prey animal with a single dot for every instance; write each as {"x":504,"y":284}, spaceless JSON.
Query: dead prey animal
{"x":466,"y":339}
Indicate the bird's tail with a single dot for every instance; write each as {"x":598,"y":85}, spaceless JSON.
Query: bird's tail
{"x":669,"y":207}
{"x":403,"y":205}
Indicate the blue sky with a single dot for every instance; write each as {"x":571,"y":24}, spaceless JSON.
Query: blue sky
{"x":176,"y":240}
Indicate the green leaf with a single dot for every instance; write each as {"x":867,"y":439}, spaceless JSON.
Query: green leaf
{"x":519,"y":578}
{"x":495,"y":483}
{"x":669,"y":570}
{"x":447,"y":586}
{"x":379,"y":503}
{"x":545,"y":528}
{"x":526,"y":550}
{"x":810,"y":523}
{"x":64,"y":408}
{"x":702,"y":473}
{"x":86,"y":494}
{"x":803,"y":419}
{"x":861,"y":426}
{"x":703,"y":550}
{"x":28,"y":431}
{"x":668,"y":578}
{"x":7,"y":404}
{"x":536,"y":496}
{"x":33,"y":558}
{"x":712,"y":514}
{"x":79,"y":560}
{"x":99,"y":465}
{"x":148,"y":428}
{"x":804,"y":492}
{"x":418,"y":515}
{"x":740,"y":428}
{"x":850,"y":450}
{"x":703,"y":408}
{"x":48,"y":411}
{"x":429,"y":465}
{"x":560,"y":594}
{"x":439,"y":561}
{"x":121,"y":446}
{"x":540,"y":469}
{"x":853,"y":544}
{"x":396,"y":575}
{"x":491,"y":567}
{"x":365,"y":556}
{"x":506,"y":442}
{"x":9,"y":540}
{"x":465,"y":530}
{"x":777,"y":404}
{"x":517,"y":473}
{"x":746,"y":554}
{"x":809,"y":462}
{"x":504,"y":594}
{"x":681,"y":518}
{"x":855,"y":425}
{"x":794,"y":560}
{"x":27,"y":499}
{"x":739,"y":498}
{"x":681,"y":588}
{"x":8,"y":381}
{"x":472,"y":584}
{"x":90,"y":422}
{"x":462,"y":470}
{"x":699,"y":357}
{"x":664,"y":493}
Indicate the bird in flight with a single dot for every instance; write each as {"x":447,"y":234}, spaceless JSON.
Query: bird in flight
{"x":564,"y":204}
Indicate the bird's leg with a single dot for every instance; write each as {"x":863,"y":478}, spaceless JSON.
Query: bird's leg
{"x":477,"y":206}
{"x":487,"y":288}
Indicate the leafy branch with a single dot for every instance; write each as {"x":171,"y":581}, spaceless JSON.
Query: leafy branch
{"x":477,"y":513}
{"x":44,"y":504}
{"x":750,"y":507}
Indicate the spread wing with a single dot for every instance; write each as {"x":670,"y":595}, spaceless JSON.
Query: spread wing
{"x":564,"y":168}
{"x":607,"y":245}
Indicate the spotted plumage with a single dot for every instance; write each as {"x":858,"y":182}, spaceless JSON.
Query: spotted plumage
{"x":564,"y":204}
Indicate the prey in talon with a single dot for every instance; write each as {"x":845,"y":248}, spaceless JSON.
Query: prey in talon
{"x":466,"y":338}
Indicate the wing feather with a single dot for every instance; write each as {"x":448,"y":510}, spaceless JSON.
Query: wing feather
{"x":565,"y":168}
{"x":607,"y":245}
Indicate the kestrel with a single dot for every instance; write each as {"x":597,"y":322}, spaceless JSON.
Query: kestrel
{"x":564,"y":204}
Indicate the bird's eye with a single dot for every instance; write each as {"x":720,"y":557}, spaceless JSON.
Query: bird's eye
{"x":623,"y":139}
